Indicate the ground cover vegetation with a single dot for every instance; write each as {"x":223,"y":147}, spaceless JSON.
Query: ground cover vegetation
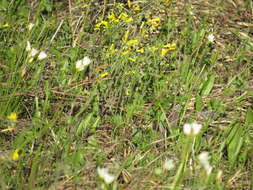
{"x":133,"y":94}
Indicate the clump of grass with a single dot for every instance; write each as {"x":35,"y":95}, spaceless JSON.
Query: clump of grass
{"x":108,"y":94}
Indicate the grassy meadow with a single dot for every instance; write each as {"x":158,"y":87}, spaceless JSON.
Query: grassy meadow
{"x":126,"y":94}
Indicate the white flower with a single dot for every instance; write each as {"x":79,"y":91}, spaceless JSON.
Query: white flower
{"x":192,"y":129}
{"x":168,"y":164}
{"x":30,"y":26}
{"x":33,"y":52}
{"x":105,"y":175}
{"x":210,"y":38}
{"x":42,"y":55}
{"x":203,"y":159}
{"x":82,"y":63}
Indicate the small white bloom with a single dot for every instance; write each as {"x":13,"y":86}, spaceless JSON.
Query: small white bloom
{"x":203,"y":159}
{"x":105,"y":175}
{"x":33,"y":52}
{"x":28,"y":46}
{"x":30,"y":26}
{"x":81,"y":64}
{"x":210,"y":38}
{"x":42,"y":55}
{"x":192,"y":129}
{"x":168,"y":164}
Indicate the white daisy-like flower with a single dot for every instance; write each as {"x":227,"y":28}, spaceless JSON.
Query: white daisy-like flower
{"x":105,"y":175}
{"x":211,"y":38}
{"x":203,"y":158}
{"x":168,"y":164}
{"x":42,"y":55}
{"x":192,"y":129}
{"x":82,"y":63}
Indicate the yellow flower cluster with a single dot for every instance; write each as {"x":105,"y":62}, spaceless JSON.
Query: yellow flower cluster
{"x":166,"y":48}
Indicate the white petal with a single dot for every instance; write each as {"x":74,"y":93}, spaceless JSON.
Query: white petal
{"x":103,"y":173}
{"x":187,"y":129}
{"x":86,"y":61}
{"x":196,"y":128}
{"x":210,"y":38}
{"x":42,"y":55}
{"x":79,"y":65}
{"x":34,"y":52}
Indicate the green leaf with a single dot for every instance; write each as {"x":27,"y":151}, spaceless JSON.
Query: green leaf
{"x":207,"y":86}
{"x":249,"y":117}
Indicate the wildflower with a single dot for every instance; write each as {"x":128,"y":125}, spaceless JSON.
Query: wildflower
{"x":164,"y":52}
{"x":12,"y":117}
{"x":192,"y":129}
{"x":166,"y":48}
{"x":125,"y":37}
{"x":120,"y":5}
{"x":168,"y":164}
{"x":105,"y":175}
{"x":132,"y":59}
{"x":85,"y":6}
{"x":136,"y":8}
{"x":112,"y":50}
{"x":129,"y":3}
{"x":42,"y":55}
{"x":30,"y":26}
{"x":6,"y":25}
{"x":155,"y":21}
{"x":203,"y":159}
{"x":170,"y":46}
{"x":102,"y":24}
{"x":82,"y":63}
{"x":141,"y":50}
{"x":130,"y":19}
{"x":132,"y":42}
{"x":104,"y":74}
{"x":112,"y":18}
{"x":15,"y":155}
{"x":123,"y":16}
{"x":210,"y":38}
{"x":125,"y":52}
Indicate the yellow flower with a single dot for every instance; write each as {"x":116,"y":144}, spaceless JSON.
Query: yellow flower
{"x":15,"y":155}
{"x":132,"y":59}
{"x":123,"y":16}
{"x":130,"y":19}
{"x":164,"y":52}
{"x":155,"y":21}
{"x":112,"y":18}
{"x":6,"y":25}
{"x":136,"y":8}
{"x":129,"y":3}
{"x":125,"y":37}
{"x":102,"y":24}
{"x":120,"y":5}
{"x":111,"y":51}
{"x":127,"y":91}
{"x":170,"y":46}
{"x":125,"y":52}
{"x":85,"y":6}
{"x":103,"y":75}
{"x":8,"y":129}
{"x":132,"y":42}
{"x":141,"y":50}
{"x":12,"y":117}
